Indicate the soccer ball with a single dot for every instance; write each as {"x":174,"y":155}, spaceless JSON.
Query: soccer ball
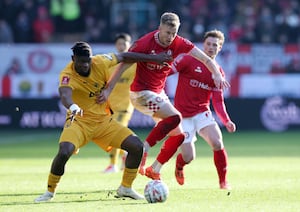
{"x":156,"y":191}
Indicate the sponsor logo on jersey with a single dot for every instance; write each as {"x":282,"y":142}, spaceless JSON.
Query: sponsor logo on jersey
{"x":196,"y":84}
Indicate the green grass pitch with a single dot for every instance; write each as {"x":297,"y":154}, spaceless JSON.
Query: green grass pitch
{"x":264,"y":172}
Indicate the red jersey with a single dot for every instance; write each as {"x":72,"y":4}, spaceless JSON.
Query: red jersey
{"x":150,"y":75}
{"x":196,"y":87}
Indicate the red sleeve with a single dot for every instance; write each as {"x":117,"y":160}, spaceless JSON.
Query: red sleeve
{"x":219,"y":106}
{"x":182,"y":45}
{"x":179,"y":62}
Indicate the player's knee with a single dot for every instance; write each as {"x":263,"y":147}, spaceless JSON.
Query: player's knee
{"x":217,"y":146}
{"x":172,"y":122}
{"x":176,"y":119}
{"x":188,"y":157}
{"x":138,"y":147}
{"x":66,"y":149}
{"x":133,"y":145}
{"x":188,"y":152}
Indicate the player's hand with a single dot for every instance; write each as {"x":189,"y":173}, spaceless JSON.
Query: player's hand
{"x":75,"y":109}
{"x":230,"y":126}
{"x":163,"y":58}
{"x":102,"y":97}
{"x":220,"y":81}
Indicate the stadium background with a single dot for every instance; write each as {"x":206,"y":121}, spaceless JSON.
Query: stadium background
{"x":261,"y":55}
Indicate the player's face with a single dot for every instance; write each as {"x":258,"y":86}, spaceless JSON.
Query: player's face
{"x":82,"y":65}
{"x":212,"y":46}
{"x":122,"y":45}
{"x":167,"y":34}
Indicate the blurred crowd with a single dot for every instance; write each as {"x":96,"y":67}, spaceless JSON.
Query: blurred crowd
{"x":243,"y":21}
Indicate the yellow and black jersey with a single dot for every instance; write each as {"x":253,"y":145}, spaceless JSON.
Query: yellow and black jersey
{"x":86,"y":88}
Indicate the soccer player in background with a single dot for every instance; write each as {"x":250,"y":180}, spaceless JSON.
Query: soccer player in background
{"x":80,"y":82}
{"x":147,"y":90}
{"x":194,"y":91}
{"x":120,"y":102}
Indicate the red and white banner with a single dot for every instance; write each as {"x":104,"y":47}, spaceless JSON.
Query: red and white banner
{"x":31,"y":70}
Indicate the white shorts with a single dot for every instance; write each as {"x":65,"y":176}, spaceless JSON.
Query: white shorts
{"x":192,"y":125}
{"x":148,"y":102}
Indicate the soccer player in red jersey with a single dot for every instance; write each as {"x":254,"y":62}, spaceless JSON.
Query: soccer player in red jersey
{"x":192,"y":98}
{"x":147,"y":90}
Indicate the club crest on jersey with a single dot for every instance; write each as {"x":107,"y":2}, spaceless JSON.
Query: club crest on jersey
{"x":198,"y":69}
{"x":65,"y":80}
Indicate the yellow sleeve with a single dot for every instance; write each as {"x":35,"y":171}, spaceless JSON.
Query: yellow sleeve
{"x":65,"y":76}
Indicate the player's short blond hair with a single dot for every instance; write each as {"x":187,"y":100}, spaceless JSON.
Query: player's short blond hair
{"x":215,"y":34}
{"x":170,"y":19}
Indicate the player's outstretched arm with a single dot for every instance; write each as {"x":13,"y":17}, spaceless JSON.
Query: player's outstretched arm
{"x":219,"y":80}
{"x":104,"y":94}
{"x":126,"y":59}
{"x":132,"y":57}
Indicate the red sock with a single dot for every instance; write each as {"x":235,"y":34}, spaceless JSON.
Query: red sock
{"x":169,"y":148}
{"x":162,"y":129}
{"x":220,"y":159}
{"x":180,"y":163}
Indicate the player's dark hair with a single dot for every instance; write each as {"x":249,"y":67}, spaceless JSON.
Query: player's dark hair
{"x":81,"y":48}
{"x":124,"y":36}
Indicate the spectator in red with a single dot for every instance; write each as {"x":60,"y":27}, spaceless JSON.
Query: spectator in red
{"x":236,"y":31}
{"x":43,"y":27}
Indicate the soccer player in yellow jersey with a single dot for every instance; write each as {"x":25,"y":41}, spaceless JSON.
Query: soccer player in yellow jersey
{"x":80,"y":82}
{"x":119,"y":100}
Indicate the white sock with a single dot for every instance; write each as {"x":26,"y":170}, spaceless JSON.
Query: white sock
{"x":156,"y":166}
{"x":146,"y":146}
